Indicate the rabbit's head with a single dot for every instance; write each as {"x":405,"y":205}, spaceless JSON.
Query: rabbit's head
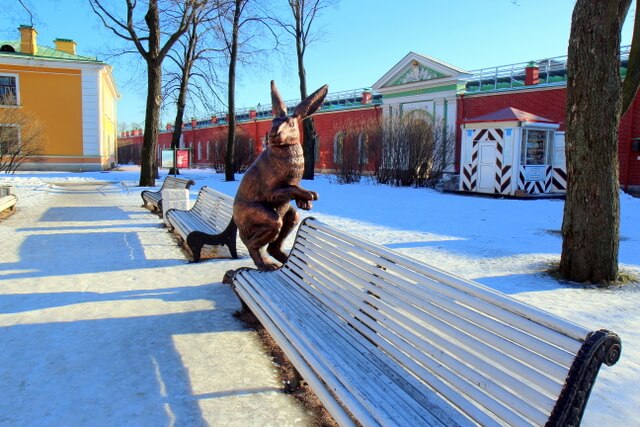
{"x":284,"y":129}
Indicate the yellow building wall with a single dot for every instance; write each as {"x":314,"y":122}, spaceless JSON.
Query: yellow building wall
{"x":54,"y":96}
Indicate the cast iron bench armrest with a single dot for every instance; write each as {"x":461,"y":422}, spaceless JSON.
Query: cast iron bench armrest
{"x":208,"y":222}
{"x":384,"y":339}
{"x":153,"y":199}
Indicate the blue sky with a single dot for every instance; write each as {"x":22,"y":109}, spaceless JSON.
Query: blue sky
{"x":362,"y":40}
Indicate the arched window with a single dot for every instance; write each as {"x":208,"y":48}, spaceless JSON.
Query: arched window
{"x":7,"y":48}
{"x":338,"y":148}
{"x":199,"y":150}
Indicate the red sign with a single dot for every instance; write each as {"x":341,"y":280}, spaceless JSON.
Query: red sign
{"x":182,"y":159}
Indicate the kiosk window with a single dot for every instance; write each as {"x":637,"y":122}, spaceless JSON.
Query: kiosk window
{"x":536,"y":147}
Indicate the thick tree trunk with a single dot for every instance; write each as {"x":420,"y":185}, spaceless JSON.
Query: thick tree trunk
{"x":149,"y":162}
{"x":590,"y":228}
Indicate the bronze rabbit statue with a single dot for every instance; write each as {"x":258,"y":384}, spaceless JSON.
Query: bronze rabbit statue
{"x":262,"y":209}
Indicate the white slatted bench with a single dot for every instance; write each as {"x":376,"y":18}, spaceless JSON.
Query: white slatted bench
{"x":8,"y":200}
{"x":153,"y":199}
{"x":208,"y":222}
{"x":386,"y":340}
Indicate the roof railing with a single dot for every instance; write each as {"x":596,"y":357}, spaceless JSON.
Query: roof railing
{"x":353,"y":98}
{"x":551,"y":71}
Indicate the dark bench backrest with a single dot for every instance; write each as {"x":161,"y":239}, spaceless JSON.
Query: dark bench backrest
{"x":489,"y":355}
{"x":213,"y":207}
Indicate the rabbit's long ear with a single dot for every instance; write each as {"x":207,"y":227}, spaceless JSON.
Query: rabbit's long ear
{"x":311,"y":103}
{"x":278,"y":107}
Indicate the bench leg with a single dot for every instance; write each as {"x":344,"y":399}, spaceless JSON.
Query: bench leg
{"x":231,"y":234}
{"x":293,"y":384}
{"x":197,"y":239}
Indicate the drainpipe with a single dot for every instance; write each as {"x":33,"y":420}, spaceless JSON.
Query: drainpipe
{"x":459,"y":120}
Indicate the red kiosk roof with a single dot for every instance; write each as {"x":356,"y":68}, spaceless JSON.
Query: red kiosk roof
{"x":509,"y":114}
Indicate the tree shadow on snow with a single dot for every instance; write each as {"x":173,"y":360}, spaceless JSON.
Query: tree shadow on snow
{"x":116,"y":371}
{"x":76,"y":244}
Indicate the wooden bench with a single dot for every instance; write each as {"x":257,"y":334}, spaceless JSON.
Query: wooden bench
{"x":153,"y":199}
{"x":8,"y":200}
{"x":208,"y":222}
{"x":386,"y":340}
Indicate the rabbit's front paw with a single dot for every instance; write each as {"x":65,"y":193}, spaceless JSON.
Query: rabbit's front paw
{"x":304,"y":204}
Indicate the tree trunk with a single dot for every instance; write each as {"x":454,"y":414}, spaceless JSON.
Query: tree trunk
{"x":308,"y":128}
{"x":590,"y":228}
{"x":233,"y":58}
{"x":180,"y":107}
{"x":149,"y":161}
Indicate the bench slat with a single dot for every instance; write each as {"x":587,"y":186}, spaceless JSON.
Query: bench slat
{"x":566,"y":335}
{"x":463,"y":380}
{"x":441,"y":347}
{"x":344,"y":360}
{"x":483,"y":292}
{"x":494,"y":334}
{"x":521,"y":387}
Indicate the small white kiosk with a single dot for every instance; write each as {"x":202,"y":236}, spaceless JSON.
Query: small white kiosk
{"x":512,"y":152}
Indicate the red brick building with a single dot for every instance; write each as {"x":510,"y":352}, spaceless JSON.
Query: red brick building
{"x":517,"y":154}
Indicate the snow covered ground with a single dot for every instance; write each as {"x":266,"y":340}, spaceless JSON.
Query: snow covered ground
{"x":503,"y":243}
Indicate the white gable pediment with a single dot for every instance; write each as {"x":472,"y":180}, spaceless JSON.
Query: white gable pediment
{"x":418,"y":70}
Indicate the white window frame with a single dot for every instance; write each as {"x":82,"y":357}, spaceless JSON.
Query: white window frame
{"x":17,"y":77}
{"x":548,"y":147}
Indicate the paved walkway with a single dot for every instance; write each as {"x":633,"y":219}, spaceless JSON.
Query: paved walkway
{"x":103,"y":323}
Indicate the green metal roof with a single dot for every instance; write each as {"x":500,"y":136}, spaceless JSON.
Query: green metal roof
{"x":46,"y":52}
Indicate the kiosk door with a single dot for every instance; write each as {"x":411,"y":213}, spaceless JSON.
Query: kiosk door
{"x":487,"y":167}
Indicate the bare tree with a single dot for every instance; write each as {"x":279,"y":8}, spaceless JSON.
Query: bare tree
{"x":27,"y":9}
{"x":240,"y":20}
{"x":304,"y":13}
{"x":355,"y":148}
{"x":244,"y":153}
{"x":591,"y":223}
{"x":413,"y":148}
{"x":232,"y":46}
{"x":150,"y":32}
{"x":21,"y":136}
{"x":185,"y":54}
